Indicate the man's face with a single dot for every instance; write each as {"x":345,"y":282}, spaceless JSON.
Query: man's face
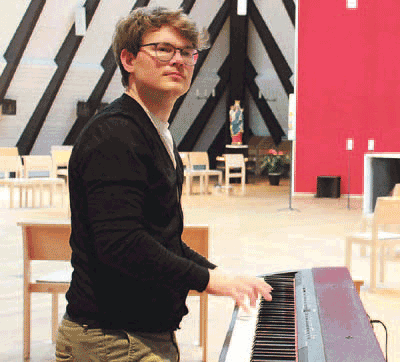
{"x":153,"y":77}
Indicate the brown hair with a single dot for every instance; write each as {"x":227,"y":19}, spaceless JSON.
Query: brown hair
{"x":129,"y":31}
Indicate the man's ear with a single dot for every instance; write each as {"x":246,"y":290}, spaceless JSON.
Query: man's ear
{"x":127,"y":60}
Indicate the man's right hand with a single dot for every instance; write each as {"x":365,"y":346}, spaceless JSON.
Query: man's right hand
{"x":238,"y":287}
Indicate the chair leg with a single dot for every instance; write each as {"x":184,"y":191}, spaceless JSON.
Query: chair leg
{"x":363,"y":250}
{"x":373,"y":261}
{"x":201,"y":179}
{"x":188,"y":185}
{"x":204,"y":323}
{"x":54,"y":317}
{"x":11,"y":196}
{"x":382,"y":264}
{"x":20,"y":195}
{"x":27,"y":324}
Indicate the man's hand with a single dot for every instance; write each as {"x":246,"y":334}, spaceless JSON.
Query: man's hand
{"x":238,"y":287}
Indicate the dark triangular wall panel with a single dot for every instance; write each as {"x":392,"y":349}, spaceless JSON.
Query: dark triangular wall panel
{"x":290,"y":7}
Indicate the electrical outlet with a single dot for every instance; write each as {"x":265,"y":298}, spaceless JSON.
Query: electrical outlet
{"x":349,"y":144}
{"x":352,"y":4}
{"x":371,"y":145}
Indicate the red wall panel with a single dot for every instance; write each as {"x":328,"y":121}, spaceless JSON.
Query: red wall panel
{"x":348,"y":85}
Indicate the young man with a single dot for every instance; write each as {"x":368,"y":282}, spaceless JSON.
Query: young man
{"x":132,"y":272}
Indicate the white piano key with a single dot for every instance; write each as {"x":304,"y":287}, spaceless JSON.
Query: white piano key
{"x":243,"y":335}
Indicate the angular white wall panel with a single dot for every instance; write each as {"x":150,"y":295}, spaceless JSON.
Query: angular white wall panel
{"x":11,"y":14}
{"x":51,"y":29}
{"x":268,"y":82}
{"x":115,"y":88}
{"x":279,"y":24}
{"x":203,"y":12}
{"x":78,"y":84}
{"x":83,"y":75}
{"x":27,"y":87}
{"x":99,"y":33}
{"x":216,"y":122}
{"x":206,"y":80}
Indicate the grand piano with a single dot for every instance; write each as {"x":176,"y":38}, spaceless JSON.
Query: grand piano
{"x":315,"y":315}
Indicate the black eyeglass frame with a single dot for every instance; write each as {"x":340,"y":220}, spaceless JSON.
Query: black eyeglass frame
{"x":194,"y":56}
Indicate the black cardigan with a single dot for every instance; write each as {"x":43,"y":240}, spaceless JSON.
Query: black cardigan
{"x":131,"y":269}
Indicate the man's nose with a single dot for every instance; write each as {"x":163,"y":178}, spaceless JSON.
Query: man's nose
{"x":177,"y":58}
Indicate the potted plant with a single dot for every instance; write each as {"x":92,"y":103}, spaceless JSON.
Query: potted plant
{"x":274,"y":163}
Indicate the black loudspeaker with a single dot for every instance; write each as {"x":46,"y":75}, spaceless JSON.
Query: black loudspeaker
{"x":9,"y":107}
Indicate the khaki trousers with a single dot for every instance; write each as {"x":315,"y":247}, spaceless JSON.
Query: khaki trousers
{"x":78,"y":343}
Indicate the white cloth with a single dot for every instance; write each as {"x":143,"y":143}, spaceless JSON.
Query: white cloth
{"x":165,"y":134}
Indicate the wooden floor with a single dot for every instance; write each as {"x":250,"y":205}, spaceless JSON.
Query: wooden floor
{"x":252,"y":234}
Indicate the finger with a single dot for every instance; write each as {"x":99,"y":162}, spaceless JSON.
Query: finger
{"x":240,"y":301}
{"x":253,"y":297}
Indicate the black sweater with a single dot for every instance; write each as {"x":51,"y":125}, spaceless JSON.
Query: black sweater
{"x":131,"y":269}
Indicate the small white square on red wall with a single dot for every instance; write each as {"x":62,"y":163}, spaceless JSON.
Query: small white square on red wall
{"x":351,"y":4}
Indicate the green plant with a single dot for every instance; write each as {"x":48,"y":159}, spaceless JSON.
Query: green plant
{"x":274,"y":161}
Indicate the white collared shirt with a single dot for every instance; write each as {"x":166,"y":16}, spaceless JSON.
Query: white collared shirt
{"x":165,"y":135}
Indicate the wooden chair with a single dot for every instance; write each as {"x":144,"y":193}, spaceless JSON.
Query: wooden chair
{"x":43,"y":240}
{"x":11,"y":164}
{"x":60,"y":156}
{"x":196,"y":237}
{"x":9,"y":151}
{"x":33,"y":163}
{"x":187,"y":174}
{"x":235,"y":167}
{"x":49,"y":240}
{"x":200,"y":166}
{"x":41,"y":163}
{"x":366,"y":221}
{"x":387,"y":212}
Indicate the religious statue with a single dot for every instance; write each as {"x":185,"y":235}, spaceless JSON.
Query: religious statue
{"x":236,"y":120}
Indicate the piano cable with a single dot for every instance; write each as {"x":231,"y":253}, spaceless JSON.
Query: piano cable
{"x":375,"y":321}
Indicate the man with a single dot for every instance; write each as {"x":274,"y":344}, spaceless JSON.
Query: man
{"x":132,"y":272}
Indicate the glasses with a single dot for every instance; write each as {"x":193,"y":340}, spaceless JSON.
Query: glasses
{"x":164,"y":52}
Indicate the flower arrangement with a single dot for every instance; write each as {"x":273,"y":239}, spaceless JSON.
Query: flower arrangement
{"x":274,"y":161}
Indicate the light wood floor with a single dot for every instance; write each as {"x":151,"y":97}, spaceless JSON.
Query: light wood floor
{"x":251,"y":234}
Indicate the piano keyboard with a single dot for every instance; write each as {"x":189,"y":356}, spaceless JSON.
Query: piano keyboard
{"x":275,"y":336}
{"x":315,"y":316}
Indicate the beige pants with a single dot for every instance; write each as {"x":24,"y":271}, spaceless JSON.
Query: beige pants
{"x":78,"y":343}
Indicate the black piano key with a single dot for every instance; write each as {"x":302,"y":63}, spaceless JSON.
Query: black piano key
{"x":275,"y":334}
